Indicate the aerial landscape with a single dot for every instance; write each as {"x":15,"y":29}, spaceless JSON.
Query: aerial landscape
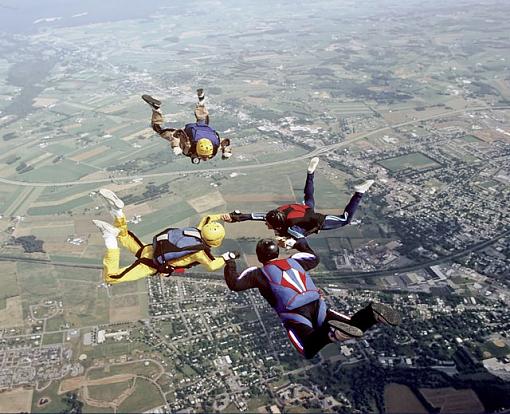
{"x":413,"y":95}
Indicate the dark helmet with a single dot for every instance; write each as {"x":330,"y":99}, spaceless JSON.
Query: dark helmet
{"x":276,"y":219}
{"x":267,"y":250}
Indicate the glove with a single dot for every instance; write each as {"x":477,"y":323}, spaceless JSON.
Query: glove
{"x":177,"y":150}
{"x":226,"y":155}
{"x":234,"y":216}
{"x":230,"y":255}
{"x":286,"y":243}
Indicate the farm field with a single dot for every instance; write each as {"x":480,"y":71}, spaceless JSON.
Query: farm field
{"x":416,"y":161}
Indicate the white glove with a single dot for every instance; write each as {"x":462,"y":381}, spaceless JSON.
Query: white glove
{"x":177,"y":150}
{"x":230,"y":255}
{"x":286,"y":243}
{"x":226,"y":155}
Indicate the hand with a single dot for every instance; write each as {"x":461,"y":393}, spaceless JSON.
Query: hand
{"x":226,"y":217}
{"x":226,"y":155}
{"x":177,"y":150}
{"x":286,"y":243}
{"x":230,"y":255}
{"x":234,"y":216}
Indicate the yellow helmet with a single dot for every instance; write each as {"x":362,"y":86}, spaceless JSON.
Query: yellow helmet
{"x":213,"y":234}
{"x":204,"y":147}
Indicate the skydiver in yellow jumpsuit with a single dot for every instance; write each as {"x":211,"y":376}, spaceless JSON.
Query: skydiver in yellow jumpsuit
{"x":209,"y":232}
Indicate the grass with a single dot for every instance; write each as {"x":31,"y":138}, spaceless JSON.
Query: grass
{"x":187,"y":370}
{"x":145,"y":397}
{"x":110,"y":350}
{"x":84,"y":304}
{"x":55,"y":323}
{"x":96,"y":410}
{"x":415,"y":160}
{"x":52,"y":193}
{"x":8,"y":197}
{"x":471,"y":138}
{"x":61,"y":208}
{"x":64,"y":170}
{"x":8,"y":282}
{"x":159,"y":220}
{"x":55,"y":406}
{"x":108,"y":392}
{"x":330,"y":350}
{"x":52,"y":338}
{"x":36,"y":282}
{"x":138,"y":368}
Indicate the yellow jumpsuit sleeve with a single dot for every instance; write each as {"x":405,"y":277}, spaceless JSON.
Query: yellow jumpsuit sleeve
{"x":210,"y":264}
{"x":208,"y":219}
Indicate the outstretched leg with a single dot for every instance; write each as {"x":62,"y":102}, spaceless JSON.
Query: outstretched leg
{"x":201,"y":112}
{"x":369,"y":316}
{"x":173,"y":136}
{"x":333,"y":222}
{"x":310,"y":330}
{"x":126,"y":238}
{"x":112,"y":272}
{"x":309,"y":189}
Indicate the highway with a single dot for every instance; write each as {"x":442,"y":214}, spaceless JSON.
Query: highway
{"x":313,"y":153}
{"x":322,"y":277}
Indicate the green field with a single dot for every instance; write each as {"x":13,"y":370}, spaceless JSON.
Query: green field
{"x":53,"y":338}
{"x":55,"y":193}
{"x":159,"y":220}
{"x":136,"y":368}
{"x":84,"y":303}
{"x":415,"y":160}
{"x":145,"y":397}
{"x":8,"y":284}
{"x":108,"y":392}
{"x":471,"y":138}
{"x":55,"y":406}
{"x":64,"y":170}
{"x":61,"y":208}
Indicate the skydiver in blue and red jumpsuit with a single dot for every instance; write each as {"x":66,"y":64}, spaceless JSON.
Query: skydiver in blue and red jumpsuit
{"x":294,"y":221}
{"x":289,"y":289}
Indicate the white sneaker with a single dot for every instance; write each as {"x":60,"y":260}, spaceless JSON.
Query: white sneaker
{"x":313,"y":165}
{"x":111,"y":198}
{"x":106,"y":228}
{"x":362,"y":188}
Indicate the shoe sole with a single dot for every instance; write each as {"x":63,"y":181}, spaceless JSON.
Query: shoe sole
{"x":363,"y":189}
{"x":151,"y":101}
{"x":346,"y":329}
{"x":106,"y":227}
{"x":387,"y":314}
{"x":315,"y":164}
{"x":111,"y":198}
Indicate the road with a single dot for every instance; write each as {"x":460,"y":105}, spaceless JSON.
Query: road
{"x":323,"y":277}
{"x":310,"y":154}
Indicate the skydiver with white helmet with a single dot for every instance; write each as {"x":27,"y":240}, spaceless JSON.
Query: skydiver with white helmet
{"x":196,"y":140}
{"x":173,"y":249}
{"x":291,"y":222}
{"x":288,"y":288}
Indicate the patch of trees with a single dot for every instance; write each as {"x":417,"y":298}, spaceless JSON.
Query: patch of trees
{"x":74,"y":406}
{"x":30,"y":244}
{"x":9,"y":136}
{"x":23,"y":167}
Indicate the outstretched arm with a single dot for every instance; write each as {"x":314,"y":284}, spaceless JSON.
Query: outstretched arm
{"x":211,"y":264}
{"x":210,"y":218}
{"x":306,"y":256}
{"x":236,"y":216}
{"x":248,"y":279}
